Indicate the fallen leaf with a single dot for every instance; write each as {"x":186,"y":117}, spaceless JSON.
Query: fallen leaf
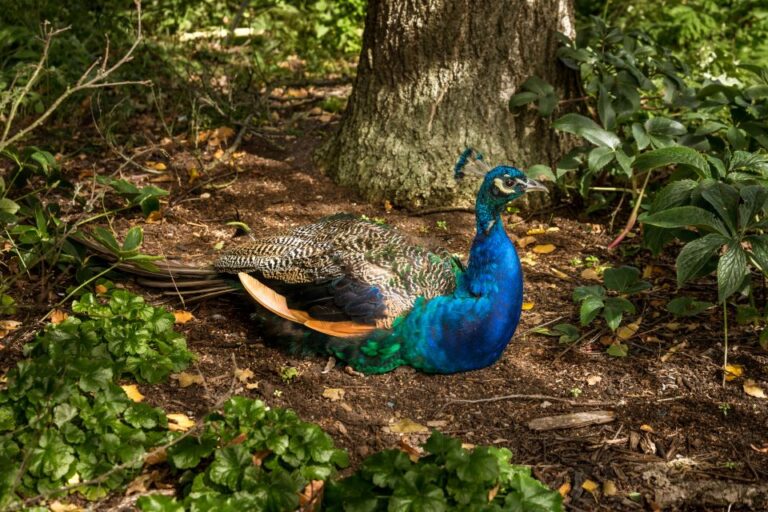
{"x":154,"y":217}
{"x":312,"y":495}
{"x":590,"y":486}
{"x":492,"y":492}
{"x":157,"y":456}
{"x":252,"y":385}
{"x":406,"y":426}
{"x":527,"y":306}
{"x":536,"y":231}
{"x":525,"y":241}
{"x":218,"y":154}
{"x":101,"y":289}
{"x":528,"y":260}
{"x":590,"y":274}
{"x":187,"y":379}
{"x":673,"y":326}
{"x":132,"y":390}
{"x":543,"y":249}
{"x":58,"y":506}
{"x":163,"y":178}
{"x":243,"y":374}
{"x":646,"y":428}
{"x":333,"y":394}
{"x":193,"y":174}
{"x":414,"y":452}
{"x":259,"y":456}
{"x":671,"y":351}
{"x":593,"y":379}
{"x":58,"y":316}
{"x":627,"y":331}
{"x":6,"y":326}
{"x":159,"y":166}
{"x":752,"y":389}
{"x":138,"y":484}
{"x":178,"y":422}
{"x":733,"y":371}
{"x":564,"y":489}
{"x":609,"y":488}
{"x":183,"y":317}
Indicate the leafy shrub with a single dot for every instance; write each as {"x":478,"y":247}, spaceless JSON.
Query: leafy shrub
{"x":63,"y":418}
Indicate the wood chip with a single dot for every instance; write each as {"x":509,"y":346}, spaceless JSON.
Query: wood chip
{"x":574,"y":420}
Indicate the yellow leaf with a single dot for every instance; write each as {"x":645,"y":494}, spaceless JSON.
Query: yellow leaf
{"x":101,"y":289}
{"x":752,"y":389}
{"x":6,"y":326}
{"x":179,"y":422}
{"x":590,"y":274}
{"x":627,"y":331}
{"x":154,"y":217}
{"x":543,"y":249}
{"x":183,"y":317}
{"x":646,"y":428}
{"x":159,"y":166}
{"x":680,"y":346}
{"x":218,"y":154}
{"x":333,"y":394}
{"x":590,"y":486}
{"x":733,"y":371}
{"x":527,"y":306}
{"x":525,"y":241}
{"x":536,"y":231}
{"x":58,"y":506}
{"x":564,"y":489}
{"x":244,"y":374}
{"x":609,"y":488}
{"x":58,"y":316}
{"x":187,"y":379}
{"x":133,"y":392}
{"x":193,"y":173}
{"x":406,"y":426}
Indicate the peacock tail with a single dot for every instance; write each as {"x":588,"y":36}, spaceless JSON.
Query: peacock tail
{"x":366,"y":294}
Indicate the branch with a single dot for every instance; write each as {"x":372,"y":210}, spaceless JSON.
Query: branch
{"x":85,"y":82}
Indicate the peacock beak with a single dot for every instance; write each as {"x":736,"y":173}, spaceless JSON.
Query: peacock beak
{"x":534,"y":186}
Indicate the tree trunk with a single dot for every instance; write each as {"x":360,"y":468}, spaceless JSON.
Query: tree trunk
{"x":434,"y":77}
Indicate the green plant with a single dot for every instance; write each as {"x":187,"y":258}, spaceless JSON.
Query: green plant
{"x":576,"y":392}
{"x":595,"y":300}
{"x":448,"y":477}
{"x":288,"y":374}
{"x":64,"y":421}
{"x":687,"y":306}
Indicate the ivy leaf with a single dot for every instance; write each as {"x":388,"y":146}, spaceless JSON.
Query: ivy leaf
{"x":731,"y":271}
{"x":481,"y":468}
{"x":587,"y":128}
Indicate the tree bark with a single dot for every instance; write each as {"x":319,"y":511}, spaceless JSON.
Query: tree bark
{"x":434,"y":77}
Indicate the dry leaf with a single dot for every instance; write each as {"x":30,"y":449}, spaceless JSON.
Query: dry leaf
{"x":544,"y":249}
{"x":258,"y":458}
{"x":58,"y":316}
{"x":763,"y":449}
{"x":157,"y":456}
{"x":527,"y":306}
{"x":590,"y":486}
{"x":333,"y":394}
{"x":101,"y":289}
{"x":183,"y":317}
{"x":752,"y":389}
{"x":193,"y":174}
{"x":627,"y":331}
{"x":252,"y":385}
{"x":58,"y":506}
{"x":492,"y":492}
{"x":154,"y":217}
{"x":138,"y":484}
{"x":528,"y":260}
{"x":243,"y":374}
{"x":525,"y":241}
{"x":609,"y":488}
{"x":218,"y":154}
{"x":178,"y":422}
{"x":159,"y":166}
{"x":646,"y":428}
{"x":672,"y":351}
{"x":406,"y":426}
{"x":6,"y":326}
{"x":564,"y":489}
{"x":414,"y":452}
{"x":311,"y":497}
{"x":590,"y":274}
{"x":733,"y":371}
{"x":163,"y":178}
{"x":187,"y":379}
{"x":557,"y":273}
{"x":132,"y":390}
{"x":536,"y":231}
{"x":593,"y":379}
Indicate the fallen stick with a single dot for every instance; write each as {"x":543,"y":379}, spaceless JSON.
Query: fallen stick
{"x":574,"y":420}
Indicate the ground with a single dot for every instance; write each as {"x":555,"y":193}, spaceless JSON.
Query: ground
{"x":679,"y":438}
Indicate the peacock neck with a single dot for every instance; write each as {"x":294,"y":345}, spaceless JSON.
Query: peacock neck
{"x":486,"y":217}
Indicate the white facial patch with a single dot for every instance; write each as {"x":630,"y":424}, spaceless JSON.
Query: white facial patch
{"x":499,"y":183}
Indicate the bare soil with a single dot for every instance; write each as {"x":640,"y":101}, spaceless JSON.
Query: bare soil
{"x":679,"y":439}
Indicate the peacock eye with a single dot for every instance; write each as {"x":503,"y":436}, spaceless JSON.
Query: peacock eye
{"x":510,"y":182}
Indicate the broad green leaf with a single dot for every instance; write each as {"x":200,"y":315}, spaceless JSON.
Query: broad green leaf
{"x":642,"y":139}
{"x":731,"y":271}
{"x":228,"y":465}
{"x":605,"y":109}
{"x":683,"y":216}
{"x":724,"y":199}
{"x":687,"y":306}
{"x":599,"y":157}
{"x":587,"y":128}
{"x":522,"y":98}
{"x":539,"y":171}
{"x":614,"y":310}
{"x":159,"y":503}
{"x":662,"y":126}
{"x":107,"y":239}
{"x":760,"y":251}
{"x":589,"y":310}
{"x":696,"y":254}
{"x":625,"y":279}
{"x":8,"y":206}
{"x":676,"y":193}
{"x":617,"y":349}
{"x":568,"y":332}
{"x":670,"y":156}
{"x":133,"y":240}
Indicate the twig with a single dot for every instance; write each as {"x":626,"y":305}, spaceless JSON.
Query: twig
{"x":545,"y":324}
{"x":443,"y":209}
{"x":572,"y":345}
{"x":633,"y":216}
{"x":525,"y":397}
{"x":86,"y":81}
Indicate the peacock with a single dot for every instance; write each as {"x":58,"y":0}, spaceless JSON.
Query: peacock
{"x":361,"y":292}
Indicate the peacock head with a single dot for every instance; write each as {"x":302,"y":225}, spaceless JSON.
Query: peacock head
{"x":501,"y":184}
